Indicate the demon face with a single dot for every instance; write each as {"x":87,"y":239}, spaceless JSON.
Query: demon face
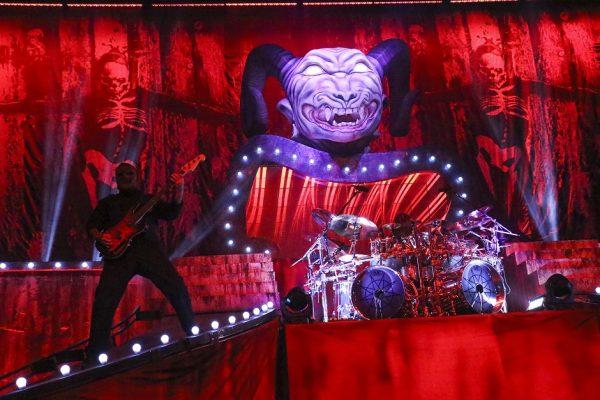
{"x":334,"y":95}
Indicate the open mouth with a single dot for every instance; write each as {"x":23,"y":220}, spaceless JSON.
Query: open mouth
{"x":331,"y":117}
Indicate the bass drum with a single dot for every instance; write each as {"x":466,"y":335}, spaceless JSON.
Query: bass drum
{"x":378,"y":292}
{"x":482,"y":287}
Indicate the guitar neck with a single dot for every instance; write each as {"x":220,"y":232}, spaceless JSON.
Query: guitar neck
{"x":145,"y":208}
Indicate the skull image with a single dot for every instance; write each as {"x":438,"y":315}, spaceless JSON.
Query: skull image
{"x":114,"y":79}
{"x":333,"y":94}
{"x":490,"y":66}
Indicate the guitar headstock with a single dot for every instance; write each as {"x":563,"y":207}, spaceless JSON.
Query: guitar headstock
{"x":191,"y":165}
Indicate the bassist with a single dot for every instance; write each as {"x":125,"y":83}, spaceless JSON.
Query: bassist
{"x":142,"y":257}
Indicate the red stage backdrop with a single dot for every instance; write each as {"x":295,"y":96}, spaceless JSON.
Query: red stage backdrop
{"x":512,"y":90}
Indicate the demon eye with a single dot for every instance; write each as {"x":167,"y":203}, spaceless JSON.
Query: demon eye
{"x":313,"y":70}
{"x":361,"y":67}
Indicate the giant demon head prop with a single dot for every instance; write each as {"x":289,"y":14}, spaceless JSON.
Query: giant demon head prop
{"x":334,"y":96}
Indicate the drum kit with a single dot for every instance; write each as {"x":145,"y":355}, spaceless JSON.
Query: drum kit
{"x":414,"y":269}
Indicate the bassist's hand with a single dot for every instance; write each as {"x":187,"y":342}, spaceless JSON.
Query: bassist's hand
{"x":106,"y":240}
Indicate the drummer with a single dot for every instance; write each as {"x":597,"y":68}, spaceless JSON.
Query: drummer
{"x":403,"y":226}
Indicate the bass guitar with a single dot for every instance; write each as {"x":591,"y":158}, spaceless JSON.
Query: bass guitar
{"x":131,"y":224}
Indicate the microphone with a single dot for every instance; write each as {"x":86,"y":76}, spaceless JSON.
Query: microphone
{"x":361,"y":188}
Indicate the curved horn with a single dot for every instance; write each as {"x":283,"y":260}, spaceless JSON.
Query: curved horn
{"x":264,"y":61}
{"x":394,"y":62}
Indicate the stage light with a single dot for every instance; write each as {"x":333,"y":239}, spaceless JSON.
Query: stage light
{"x":57,"y":265}
{"x":431,"y":158}
{"x":277,"y":151}
{"x":415,"y":158}
{"x":195,"y":330}
{"x":296,"y":306}
{"x":103,"y":358}
{"x":230,"y":242}
{"x":294,"y":157}
{"x":231,"y":209}
{"x":240,"y":174}
{"x":164,"y":339}
{"x":447,"y":166}
{"x":85,"y":264}
{"x":381,"y":167}
{"x":245,"y":158}
{"x":270,"y":304}
{"x":2,"y":265}
{"x":559,"y":292}
{"x":30,"y":265}
{"x":463,"y":195}
{"x":227,"y":226}
{"x":264,"y":307}
{"x":246,"y":315}
{"x":597,"y":289}
{"x":347,"y":170}
{"x":255,"y":311}
{"x":65,"y":369}
{"x":363,"y":169}
{"x":235,"y":192}
{"x":267,"y":251}
{"x":214,"y":325}
{"x":459,"y":179}
{"x":21,"y":382}
{"x":259,"y":150}
{"x":396,"y":163}
{"x":311,"y":161}
{"x":231,"y":320}
{"x":460,"y":213}
{"x":136,"y":348}
{"x":248,"y":249}
{"x":329,"y":166}
{"x":536,"y":303}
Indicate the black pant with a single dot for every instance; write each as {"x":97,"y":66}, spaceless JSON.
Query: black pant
{"x":145,"y":259}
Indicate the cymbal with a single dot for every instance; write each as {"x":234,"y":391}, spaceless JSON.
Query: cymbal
{"x":475,"y":219}
{"x":348,"y":225}
{"x":321,"y":216}
{"x":354,"y":257}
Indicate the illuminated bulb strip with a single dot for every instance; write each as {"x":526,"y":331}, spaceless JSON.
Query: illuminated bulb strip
{"x":30,"y":5}
{"x":107,"y":5}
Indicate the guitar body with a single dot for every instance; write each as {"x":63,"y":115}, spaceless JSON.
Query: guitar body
{"x":122,"y":234}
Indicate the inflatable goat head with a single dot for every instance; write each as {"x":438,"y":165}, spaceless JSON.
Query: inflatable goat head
{"x":334,"y":96}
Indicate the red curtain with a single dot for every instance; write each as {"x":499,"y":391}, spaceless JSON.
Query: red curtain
{"x":545,"y":355}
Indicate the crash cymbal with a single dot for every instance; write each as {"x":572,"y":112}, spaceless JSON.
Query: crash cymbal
{"x":321,"y":216}
{"x":353,"y":226}
{"x":475,"y":219}
{"x":354,"y":257}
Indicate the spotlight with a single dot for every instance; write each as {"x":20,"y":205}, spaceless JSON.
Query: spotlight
{"x":463,"y":195}
{"x":431,"y":158}
{"x":296,"y":306}
{"x":311,"y":161}
{"x":21,"y":382}
{"x":460,"y":213}
{"x":214,"y":325}
{"x":65,"y":369}
{"x":240,"y":174}
{"x":245,"y":158}
{"x":559,"y":292}
{"x":30,"y":265}
{"x":227,"y":226}
{"x":235,"y":192}
{"x":136,"y":348}
{"x":230,"y":242}
{"x":267,"y":251}
{"x":85,"y":264}
{"x":363,"y":169}
{"x":447,"y":166}
{"x":381,"y":167}
{"x":248,"y":249}
{"x":294,"y":157}
{"x":259,"y":150}
{"x":536,"y":303}
{"x":103,"y":358}
{"x":246,"y":315}
{"x":459,"y":179}
{"x":231,"y":209}
{"x":255,"y":311}
{"x":195,"y":330}
{"x":347,"y":170}
{"x":329,"y":166}
{"x":264,"y":307}
{"x":231,"y":320}
{"x":164,"y":339}
{"x":396,"y":163}
{"x":415,"y":158}
{"x":2,"y":265}
{"x":57,"y":265}
{"x":277,"y":151}
{"x":597,"y":289}
{"x":270,"y":304}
